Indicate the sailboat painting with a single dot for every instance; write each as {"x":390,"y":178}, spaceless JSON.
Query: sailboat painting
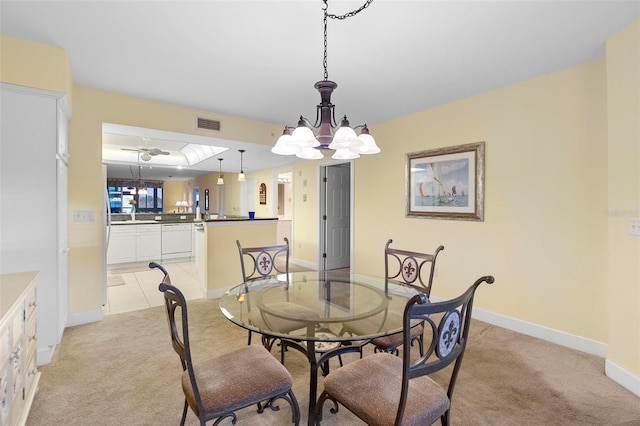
{"x":446,"y":183}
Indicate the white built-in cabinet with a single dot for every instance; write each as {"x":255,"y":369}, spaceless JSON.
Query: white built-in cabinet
{"x":34,"y":200}
{"x":19,"y":373}
{"x":134,"y":243}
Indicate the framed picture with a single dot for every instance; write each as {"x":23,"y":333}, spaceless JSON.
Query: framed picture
{"x":446,"y":183}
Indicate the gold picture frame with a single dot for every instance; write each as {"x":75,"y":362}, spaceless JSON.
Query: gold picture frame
{"x":446,"y":183}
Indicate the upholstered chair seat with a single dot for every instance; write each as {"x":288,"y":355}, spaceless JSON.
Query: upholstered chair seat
{"x":391,"y":342}
{"x":371,"y":386}
{"x":236,"y":379}
{"x":386,"y":390}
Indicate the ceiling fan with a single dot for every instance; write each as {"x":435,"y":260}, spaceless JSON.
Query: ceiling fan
{"x":147,"y":153}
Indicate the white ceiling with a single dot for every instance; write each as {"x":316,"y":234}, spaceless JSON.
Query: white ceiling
{"x":260,"y":59}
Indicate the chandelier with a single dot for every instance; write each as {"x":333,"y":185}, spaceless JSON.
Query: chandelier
{"x":342,"y":138}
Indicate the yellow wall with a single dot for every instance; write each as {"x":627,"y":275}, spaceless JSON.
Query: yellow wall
{"x":557,"y":254}
{"x":95,"y":107}
{"x":25,"y":63}
{"x":623,"y":77}
{"x":174,"y":190}
{"x":231,"y":191}
{"x":544,"y":233}
{"x":223,"y":267}
{"x":306,"y":213}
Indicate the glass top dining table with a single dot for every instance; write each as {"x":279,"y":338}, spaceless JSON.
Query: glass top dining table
{"x":334,"y":310}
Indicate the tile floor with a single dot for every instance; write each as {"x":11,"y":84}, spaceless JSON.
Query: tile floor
{"x":140,"y":290}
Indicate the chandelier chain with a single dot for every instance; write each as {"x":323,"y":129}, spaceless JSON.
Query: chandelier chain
{"x":339,"y":17}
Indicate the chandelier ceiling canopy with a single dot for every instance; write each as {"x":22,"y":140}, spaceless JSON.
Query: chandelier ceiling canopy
{"x":303,"y":143}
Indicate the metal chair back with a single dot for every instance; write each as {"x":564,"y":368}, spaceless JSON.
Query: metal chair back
{"x":448,"y":322}
{"x":410,"y":267}
{"x":262,"y":262}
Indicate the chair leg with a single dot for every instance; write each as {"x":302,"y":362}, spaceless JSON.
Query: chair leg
{"x":444,"y":419}
{"x":295,"y":408}
{"x":249,"y":338}
{"x":184,"y":412}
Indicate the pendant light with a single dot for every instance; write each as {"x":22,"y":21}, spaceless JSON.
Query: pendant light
{"x":241,"y":177}
{"x":342,"y":138}
{"x":220,"y":179}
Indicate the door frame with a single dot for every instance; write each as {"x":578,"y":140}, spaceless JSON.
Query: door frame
{"x":322,"y":237}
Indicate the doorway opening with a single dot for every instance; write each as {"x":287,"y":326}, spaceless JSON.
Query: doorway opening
{"x":335,"y":216}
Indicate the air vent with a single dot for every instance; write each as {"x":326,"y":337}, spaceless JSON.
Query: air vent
{"x":208,"y":124}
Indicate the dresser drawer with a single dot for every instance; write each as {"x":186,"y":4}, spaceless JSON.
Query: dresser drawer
{"x":5,"y":343}
{"x":17,"y":326}
{"x":31,"y":337}
{"x":5,"y":401}
{"x":30,"y":304}
{"x":31,"y":374}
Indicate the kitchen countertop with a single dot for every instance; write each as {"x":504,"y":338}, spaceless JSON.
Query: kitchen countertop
{"x":148,"y":219}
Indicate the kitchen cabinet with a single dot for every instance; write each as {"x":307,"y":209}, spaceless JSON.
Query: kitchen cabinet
{"x":19,"y":375}
{"x":122,"y":244}
{"x":33,"y":179}
{"x":148,"y":242}
{"x":134,"y":243}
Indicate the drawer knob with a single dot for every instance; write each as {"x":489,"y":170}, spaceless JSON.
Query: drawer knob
{"x":32,"y":338}
{"x":15,"y":354}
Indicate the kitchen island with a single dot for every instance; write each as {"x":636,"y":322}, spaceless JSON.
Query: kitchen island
{"x":221,"y":261}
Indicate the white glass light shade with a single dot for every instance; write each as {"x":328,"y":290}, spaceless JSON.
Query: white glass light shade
{"x":310,"y":153}
{"x":284,"y":147}
{"x":368,"y":144}
{"x":220,"y":180}
{"x":344,"y":154}
{"x":241,"y":177}
{"x":345,"y":138}
{"x":303,"y":137}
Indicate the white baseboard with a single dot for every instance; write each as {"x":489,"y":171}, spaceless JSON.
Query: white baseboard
{"x":623,"y":377}
{"x":616,"y":373}
{"x":304,"y":264}
{"x":45,"y":355}
{"x":561,"y":338}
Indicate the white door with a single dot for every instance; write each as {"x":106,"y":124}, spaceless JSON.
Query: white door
{"x":338,"y":216}
{"x":28,"y":187}
{"x":247,"y":197}
{"x":62,"y":180}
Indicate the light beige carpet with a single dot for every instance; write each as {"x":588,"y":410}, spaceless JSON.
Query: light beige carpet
{"x":123,"y":371}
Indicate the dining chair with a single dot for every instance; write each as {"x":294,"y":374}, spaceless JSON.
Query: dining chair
{"x":413,"y":269}
{"x":260,"y":263}
{"x":384,"y":389}
{"x":220,"y":386}
{"x":407,"y":268}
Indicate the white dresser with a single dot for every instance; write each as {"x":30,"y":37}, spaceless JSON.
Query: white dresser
{"x":19,"y":374}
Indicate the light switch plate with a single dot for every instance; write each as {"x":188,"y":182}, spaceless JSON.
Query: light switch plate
{"x":83,"y":216}
{"x":634,"y":227}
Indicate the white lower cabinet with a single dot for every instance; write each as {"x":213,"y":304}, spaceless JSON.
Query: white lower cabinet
{"x":19,"y":374}
{"x":134,"y":243}
{"x":148,"y":243}
{"x":122,"y":244}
